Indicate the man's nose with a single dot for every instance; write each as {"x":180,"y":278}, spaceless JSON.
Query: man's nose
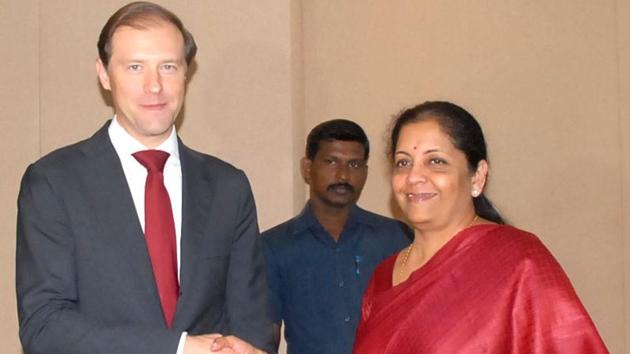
{"x":153,"y":82}
{"x":343,"y":172}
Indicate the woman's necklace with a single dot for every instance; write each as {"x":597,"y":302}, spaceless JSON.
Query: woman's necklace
{"x":406,"y":257}
{"x":404,"y":260}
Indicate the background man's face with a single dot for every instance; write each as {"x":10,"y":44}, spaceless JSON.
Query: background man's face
{"x":147,"y":77}
{"x":337,"y":174}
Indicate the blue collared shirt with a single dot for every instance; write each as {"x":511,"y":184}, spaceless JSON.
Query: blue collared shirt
{"x":317,"y":284}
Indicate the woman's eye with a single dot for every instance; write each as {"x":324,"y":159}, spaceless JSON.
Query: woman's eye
{"x":436,"y":161}
{"x":402,"y":163}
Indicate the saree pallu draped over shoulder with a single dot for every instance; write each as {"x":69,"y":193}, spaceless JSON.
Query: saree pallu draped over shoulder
{"x":490,"y":289}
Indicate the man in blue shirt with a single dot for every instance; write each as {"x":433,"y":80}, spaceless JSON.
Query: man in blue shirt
{"x":319,"y":263}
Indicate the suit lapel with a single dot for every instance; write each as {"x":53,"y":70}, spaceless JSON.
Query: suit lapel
{"x":197,"y":191}
{"x":117,"y":216}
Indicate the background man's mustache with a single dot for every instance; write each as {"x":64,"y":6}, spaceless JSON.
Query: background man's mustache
{"x":340,"y":185}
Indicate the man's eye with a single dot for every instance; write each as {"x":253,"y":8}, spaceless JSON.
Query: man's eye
{"x":135,"y":67}
{"x":169,"y":67}
{"x":355,"y":164}
{"x":330,"y":162}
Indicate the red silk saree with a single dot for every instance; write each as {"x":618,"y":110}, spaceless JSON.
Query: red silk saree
{"x":490,"y":289}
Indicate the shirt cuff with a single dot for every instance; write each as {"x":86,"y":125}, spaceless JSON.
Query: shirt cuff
{"x":182,"y":341}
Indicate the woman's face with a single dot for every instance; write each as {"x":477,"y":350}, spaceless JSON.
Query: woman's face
{"x":431,"y":180}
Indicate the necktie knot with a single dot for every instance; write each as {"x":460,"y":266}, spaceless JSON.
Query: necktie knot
{"x":152,"y":160}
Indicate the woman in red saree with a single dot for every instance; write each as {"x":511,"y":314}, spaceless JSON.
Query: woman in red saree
{"x":468,"y":283}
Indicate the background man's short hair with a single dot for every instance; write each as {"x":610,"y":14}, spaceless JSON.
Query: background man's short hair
{"x":336,"y":129}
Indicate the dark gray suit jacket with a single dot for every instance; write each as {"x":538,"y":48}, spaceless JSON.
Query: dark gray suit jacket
{"x":83,"y":275}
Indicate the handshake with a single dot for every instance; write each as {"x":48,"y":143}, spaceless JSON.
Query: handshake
{"x":217,"y":343}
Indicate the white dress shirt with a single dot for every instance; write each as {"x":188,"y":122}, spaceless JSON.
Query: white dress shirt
{"x":136,"y":175}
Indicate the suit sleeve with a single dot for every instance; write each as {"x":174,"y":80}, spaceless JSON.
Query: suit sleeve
{"x":246,"y":290}
{"x":46,"y":282}
{"x":274,"y":281}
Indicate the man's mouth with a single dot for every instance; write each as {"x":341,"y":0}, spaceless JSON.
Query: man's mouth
{"x":154,"y":106}
{"x":341,"y":188}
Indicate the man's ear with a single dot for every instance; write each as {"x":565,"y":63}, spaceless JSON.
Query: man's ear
{"x":305,"y":169}
{"x":103,"y":76}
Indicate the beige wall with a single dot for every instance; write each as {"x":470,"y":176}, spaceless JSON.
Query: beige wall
{"x":549,"y":82}
{"x":623,"y":40}
{"x":19,"y":110}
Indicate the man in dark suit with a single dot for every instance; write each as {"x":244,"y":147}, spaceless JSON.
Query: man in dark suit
{"x":129,"y":241}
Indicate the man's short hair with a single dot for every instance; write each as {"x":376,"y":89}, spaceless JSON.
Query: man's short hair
{"x":141,"y":15}
{"x":336,"y":129}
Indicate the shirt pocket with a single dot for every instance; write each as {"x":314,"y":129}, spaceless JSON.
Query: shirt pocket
{"x":299,"y":292}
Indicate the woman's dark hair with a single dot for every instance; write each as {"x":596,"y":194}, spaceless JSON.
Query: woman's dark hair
{"x":465,"y":134}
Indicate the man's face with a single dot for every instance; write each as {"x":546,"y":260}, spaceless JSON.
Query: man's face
{"x":147,"y":78}
{"x":337,"y":174}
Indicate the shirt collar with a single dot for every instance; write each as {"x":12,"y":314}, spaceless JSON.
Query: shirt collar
{"x":125,"y":144}
{"x":306,"y":219}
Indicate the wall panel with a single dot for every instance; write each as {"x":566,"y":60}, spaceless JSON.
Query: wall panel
{"x":72,"y":105}
{"x":20,"y":145}
{"x":623,"y":43}
{"x":239,"y":104}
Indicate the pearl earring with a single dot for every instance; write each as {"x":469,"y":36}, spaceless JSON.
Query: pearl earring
{"x":475,"y":193}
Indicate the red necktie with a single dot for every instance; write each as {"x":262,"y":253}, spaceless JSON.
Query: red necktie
{"x":159,"y":230}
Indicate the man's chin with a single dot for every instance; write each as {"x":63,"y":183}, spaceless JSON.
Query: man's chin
{"x":162,"y":127}
{"x":340,"y":204}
